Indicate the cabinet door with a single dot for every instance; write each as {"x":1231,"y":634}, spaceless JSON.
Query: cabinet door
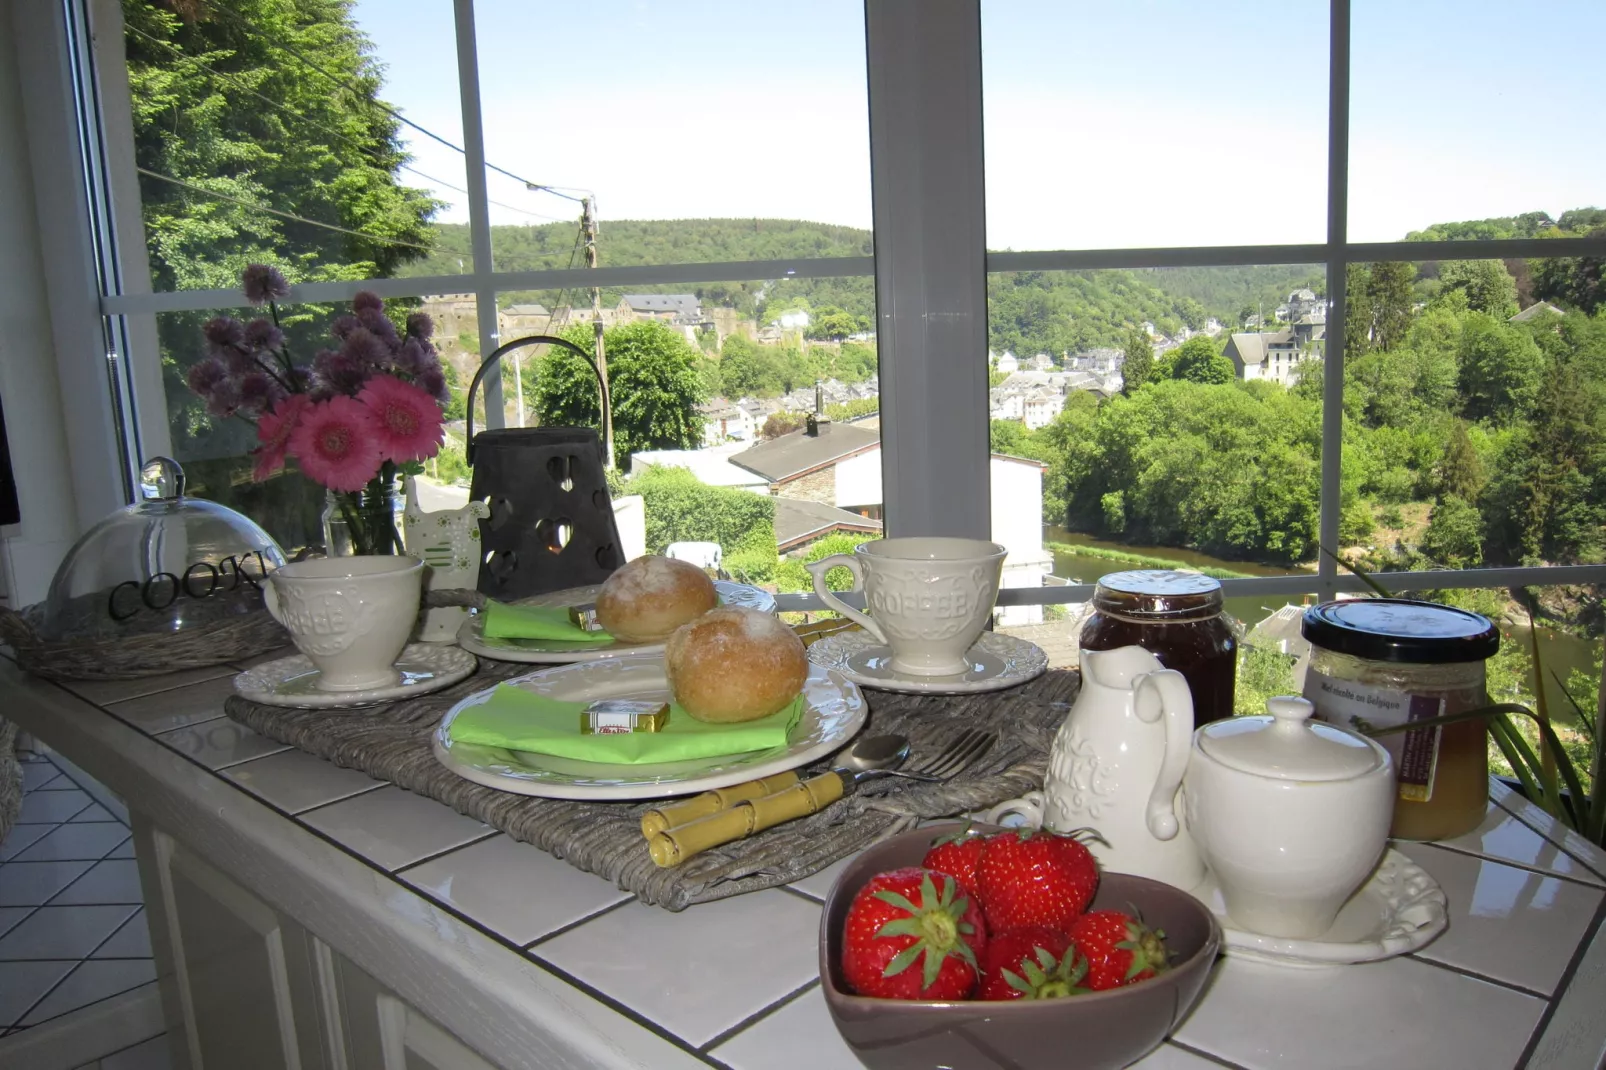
{"x":383,"y":1033}
{"x":245,"y":974}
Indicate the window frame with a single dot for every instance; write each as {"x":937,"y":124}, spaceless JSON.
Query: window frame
{"x":930,"y":268}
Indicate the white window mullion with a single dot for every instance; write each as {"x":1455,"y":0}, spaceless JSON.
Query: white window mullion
{"x":931,"y":263}
{"x":479,"y":219}
{"x":1332,"y":459}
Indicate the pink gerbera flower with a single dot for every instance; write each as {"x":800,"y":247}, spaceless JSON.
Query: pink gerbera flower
{"x":408,"y":421}
{"x":336,"y":442}
{"x":273,"y":431}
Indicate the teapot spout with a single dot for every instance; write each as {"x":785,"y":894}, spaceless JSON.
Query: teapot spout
{"x":1119,"y":668}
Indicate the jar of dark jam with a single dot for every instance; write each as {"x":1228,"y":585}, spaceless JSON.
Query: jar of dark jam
{"x":1177,"y":617}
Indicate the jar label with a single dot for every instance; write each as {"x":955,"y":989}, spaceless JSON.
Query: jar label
{"x":1363,"y":707}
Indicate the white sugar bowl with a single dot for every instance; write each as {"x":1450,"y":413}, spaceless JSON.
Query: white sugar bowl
{"x":1290,"y":815}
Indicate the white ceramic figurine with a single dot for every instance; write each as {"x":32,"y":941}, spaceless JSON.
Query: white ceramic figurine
{"x":448,"y":542}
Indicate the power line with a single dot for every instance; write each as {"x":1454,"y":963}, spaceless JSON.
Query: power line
{"x":276,"y":212}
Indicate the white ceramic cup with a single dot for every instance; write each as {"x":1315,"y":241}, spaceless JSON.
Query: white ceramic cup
{"x":928,"y":597}
{"x":350,"y":615}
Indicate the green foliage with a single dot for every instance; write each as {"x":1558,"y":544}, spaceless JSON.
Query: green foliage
{"x":1141,"y":560}
{"x":1487,"y":284}
{"x":1230,"y":294}
{"x":1007,"y":436}
{"x":1578,"y":282}
{"x":652,"y":378}
{"x":1262,"y":674}
{"x":1454,"y":537}
{"x":1199,"y":361}
{"x":791,"y":576}
{"x":777,"y":424}
{"x":853,"y":409}
{"x":1500,"y":370}
{"x":835,"y":324}
{"x":748,"y":369}
{"x":681,"y":508}
{"x":996,"y":379}
{"x":1137,"y":361}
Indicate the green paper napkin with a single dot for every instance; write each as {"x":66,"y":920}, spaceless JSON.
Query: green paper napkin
{"x":503,"y":621}
{"x":515,"y":719}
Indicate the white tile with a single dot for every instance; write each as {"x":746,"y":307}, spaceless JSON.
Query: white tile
{"x":1398,"y":1013}
{"x":92,"y":982}
{"x":799,"y":1036}
{"x":115,"y":880}
{"x":1506,"y":923}
{"x":9,"y":916}
{"x":21,"y":983}
{"x":393,"y":827}
{"x":175,"y":709}
{"x":749,"y":950}
{"x":1168,"y":1057}
{"x":22,"y":837}
{"x":819,"y":884}
{"x":97,"y":813}
{"x":513,"y":888}
{"x":51,"y":807}
{"x":220,"y":742}
{"x":105,"y":692}
{"x":36,"y":775}
{"x":123,"y":850}
{"x":153,"y":1054}
{"x":1592,"y":857}
{"x":76,"y":842}
{"x":132,"y":941}
{"x":295,"y":780}
{"x":25,"y":884}
{"x":54,"y":932}
{"x":1504,"y":838}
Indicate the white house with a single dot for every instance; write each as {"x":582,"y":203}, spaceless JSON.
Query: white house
{"x":724,"y":421}
{"x":1007,"y":363}
{"x":1040,"y":407}
{"x":796,"y":320}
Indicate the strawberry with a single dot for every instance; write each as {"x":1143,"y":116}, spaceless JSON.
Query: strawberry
{"x":910,"y":915}
{"x":1035,"y":963}
{"x":1120,"y":949}
{"x":1034,"y":877}
{"x":957,"y":854}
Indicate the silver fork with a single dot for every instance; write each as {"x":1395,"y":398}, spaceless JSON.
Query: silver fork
{"x":963,"y":750}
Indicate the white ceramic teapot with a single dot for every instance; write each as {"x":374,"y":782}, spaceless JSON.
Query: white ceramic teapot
{"x":1116,"y":767}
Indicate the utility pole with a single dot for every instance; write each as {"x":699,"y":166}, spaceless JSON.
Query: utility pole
{"x":588,"y":221}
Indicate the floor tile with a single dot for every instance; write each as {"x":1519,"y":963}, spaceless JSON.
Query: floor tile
{"x":25,"y":884}
{"x":22,"y":837}
{"x":1504,"y":838}
{"x":97,"y":813}
{"x":92,"y":982}
{"x":72,"y":932}
{"x":21,"y":983}
{"x":1592,"y":856}
{"x":115,"y":880}
{"x":393,"y":827}
{"x":220,"y":742}
{"x":123,"y":850}
{"x":36,"y":775}
{"x":294,"y":780}
{"x":1399,"y":1013}
{"x":1167,"y":1057}
{"x":105,"y":692}
{"x":819,"y":884}
{"x":750,"y":951}
{"x":513,"y":888}
{"x":52,"y":807}
{"x":76,"y":842}
{"x":177,"y":708}
{"x":799,"y":1036}
{"x":132,"y":941}
{"x":154,"y":1054}
{"x":1506,"y":923}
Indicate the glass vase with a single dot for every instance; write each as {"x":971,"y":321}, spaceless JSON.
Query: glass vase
{"x":366,"y":521}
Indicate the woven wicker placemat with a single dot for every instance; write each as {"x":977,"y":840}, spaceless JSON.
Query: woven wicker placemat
{"x":392,"y":743}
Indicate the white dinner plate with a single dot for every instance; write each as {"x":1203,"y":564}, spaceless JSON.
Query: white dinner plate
{"x":471,"y":636}
{"x":1400,"y":909}
{"x":996,"y":661}
{"x":833,"y":713}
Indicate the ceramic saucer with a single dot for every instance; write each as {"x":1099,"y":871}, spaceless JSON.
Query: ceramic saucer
{"x":293,"y":681}
{"x":996,"y":661}
{"x":1399,"y":910}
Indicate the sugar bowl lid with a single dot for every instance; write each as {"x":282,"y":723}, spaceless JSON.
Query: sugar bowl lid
{"x":1286,"y":745}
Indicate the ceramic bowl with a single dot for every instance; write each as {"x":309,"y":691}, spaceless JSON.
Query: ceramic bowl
{"x":1098,"y":1031}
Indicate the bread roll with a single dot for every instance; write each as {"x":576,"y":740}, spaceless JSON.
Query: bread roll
{"x":735,"y":664}
{"x":650,"y":597}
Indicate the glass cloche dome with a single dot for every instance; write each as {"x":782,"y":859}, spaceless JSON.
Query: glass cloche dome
{"x":164,"y":564}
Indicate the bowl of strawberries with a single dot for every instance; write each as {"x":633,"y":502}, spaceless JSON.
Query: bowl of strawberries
{"x":971,"y":947}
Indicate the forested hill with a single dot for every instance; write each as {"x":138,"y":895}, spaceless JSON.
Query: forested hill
{"x":1031,"y":311}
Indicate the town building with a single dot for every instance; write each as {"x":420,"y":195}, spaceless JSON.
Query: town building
{"x":1265,"y":355}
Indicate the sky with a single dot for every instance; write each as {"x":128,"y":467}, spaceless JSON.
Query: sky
{"x":1108,"y":125}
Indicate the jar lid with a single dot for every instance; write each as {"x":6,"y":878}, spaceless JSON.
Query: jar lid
{"x":1158,"y":594}
{"x":1286,"y":745}
{"x":1401,"y":630}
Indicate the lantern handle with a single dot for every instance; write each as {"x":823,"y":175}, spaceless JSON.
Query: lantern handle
{"x":537,"y":339}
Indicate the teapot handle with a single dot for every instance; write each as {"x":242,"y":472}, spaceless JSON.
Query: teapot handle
{"x":1164,"y":693}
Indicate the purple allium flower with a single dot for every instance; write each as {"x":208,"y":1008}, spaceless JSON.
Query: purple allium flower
{"x":223,"y":331}
{"x":262,"y":334}
{"x":224,"y":398}
{"x":204,"y":376}
{"x":412,"y":358}
{"x":344,"y":325}
{"x":299,"y":378}
{"x":256,"y":392}
{"x":367,"y":299}
{"x":381,"y":327}
{"x":420,"y":326}
{"x":340,"y":372}
{"x":238,"y":361}
{"x":365,"y":349}
{"x":263,"y":283}
{"x":433,"y":383}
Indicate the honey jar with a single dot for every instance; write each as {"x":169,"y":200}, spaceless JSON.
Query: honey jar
{"x":1378,"y":662}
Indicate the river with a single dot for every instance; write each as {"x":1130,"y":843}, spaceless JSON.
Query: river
{"x":1560,"y":651}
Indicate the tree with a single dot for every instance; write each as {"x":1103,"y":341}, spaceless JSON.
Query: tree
{"x":747,"y":369}
{"x":1137,"y":363}
{"x":652,"y":379}
{"x":1198,"y":361}
{"x":1454,"y":536}
{"x":777,"y":424}
{"x":681,"y":508}
{"x":1487,"y":284}
{"x":1500,"y":370}
{"x":1460,"y":471}
{"x":1388,"y":289}
{"x":833,"y":324}
{"x":1358,"y":313}
{"x":1576,"y":281}
{"x":1007,"y":436}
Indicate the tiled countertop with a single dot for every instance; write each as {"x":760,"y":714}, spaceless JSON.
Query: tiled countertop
{"x":1518,"y":980}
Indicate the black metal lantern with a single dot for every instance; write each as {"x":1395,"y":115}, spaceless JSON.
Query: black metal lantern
{"x":551,"y":525}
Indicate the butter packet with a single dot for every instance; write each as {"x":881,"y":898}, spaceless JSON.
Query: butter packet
{"x":616,"y":715}
{"x":584,"y":617}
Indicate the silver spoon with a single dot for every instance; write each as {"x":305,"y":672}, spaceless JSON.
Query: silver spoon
{"x":874,"y":757}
